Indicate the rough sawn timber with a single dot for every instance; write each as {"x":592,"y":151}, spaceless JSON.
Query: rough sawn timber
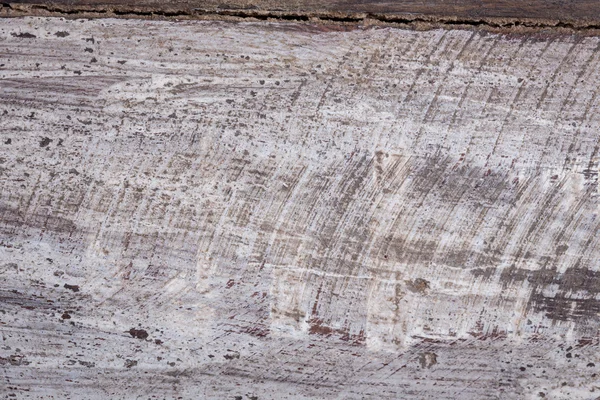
{"x":270,"y":211}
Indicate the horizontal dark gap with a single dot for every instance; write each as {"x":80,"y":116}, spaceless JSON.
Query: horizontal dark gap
{"x":316,"y":17}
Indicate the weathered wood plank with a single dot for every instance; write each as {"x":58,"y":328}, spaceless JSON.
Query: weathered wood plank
{"x":219,"y":210}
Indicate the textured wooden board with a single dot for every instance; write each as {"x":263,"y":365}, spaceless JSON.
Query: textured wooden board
{"x":567,"y":11}
{"x":239,"y":210}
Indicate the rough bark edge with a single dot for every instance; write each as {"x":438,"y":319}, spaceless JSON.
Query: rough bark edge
{"x":341,"y":19}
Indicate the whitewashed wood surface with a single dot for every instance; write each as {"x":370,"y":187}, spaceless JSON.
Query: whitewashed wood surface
{"x":285,"y":211}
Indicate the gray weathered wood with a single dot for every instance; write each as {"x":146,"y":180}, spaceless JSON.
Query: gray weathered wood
{"x":271,"y":211}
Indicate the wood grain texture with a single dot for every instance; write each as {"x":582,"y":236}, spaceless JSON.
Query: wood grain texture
{"x":271,"y":211}
{"x":578,"y":12}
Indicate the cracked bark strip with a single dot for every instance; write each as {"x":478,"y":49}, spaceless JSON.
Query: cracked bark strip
{"x":494,"y":15}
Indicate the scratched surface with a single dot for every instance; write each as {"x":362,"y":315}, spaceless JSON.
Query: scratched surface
{"x":270,"y":211}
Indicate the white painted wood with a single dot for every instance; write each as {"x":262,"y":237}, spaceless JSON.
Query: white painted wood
{"x":216,"y":210}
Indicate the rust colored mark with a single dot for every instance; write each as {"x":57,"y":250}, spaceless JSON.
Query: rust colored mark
{"x":318,"y":328}
{"x":74,"y":288}
{"x":418,"y":285}
{"x":138,"y":333}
